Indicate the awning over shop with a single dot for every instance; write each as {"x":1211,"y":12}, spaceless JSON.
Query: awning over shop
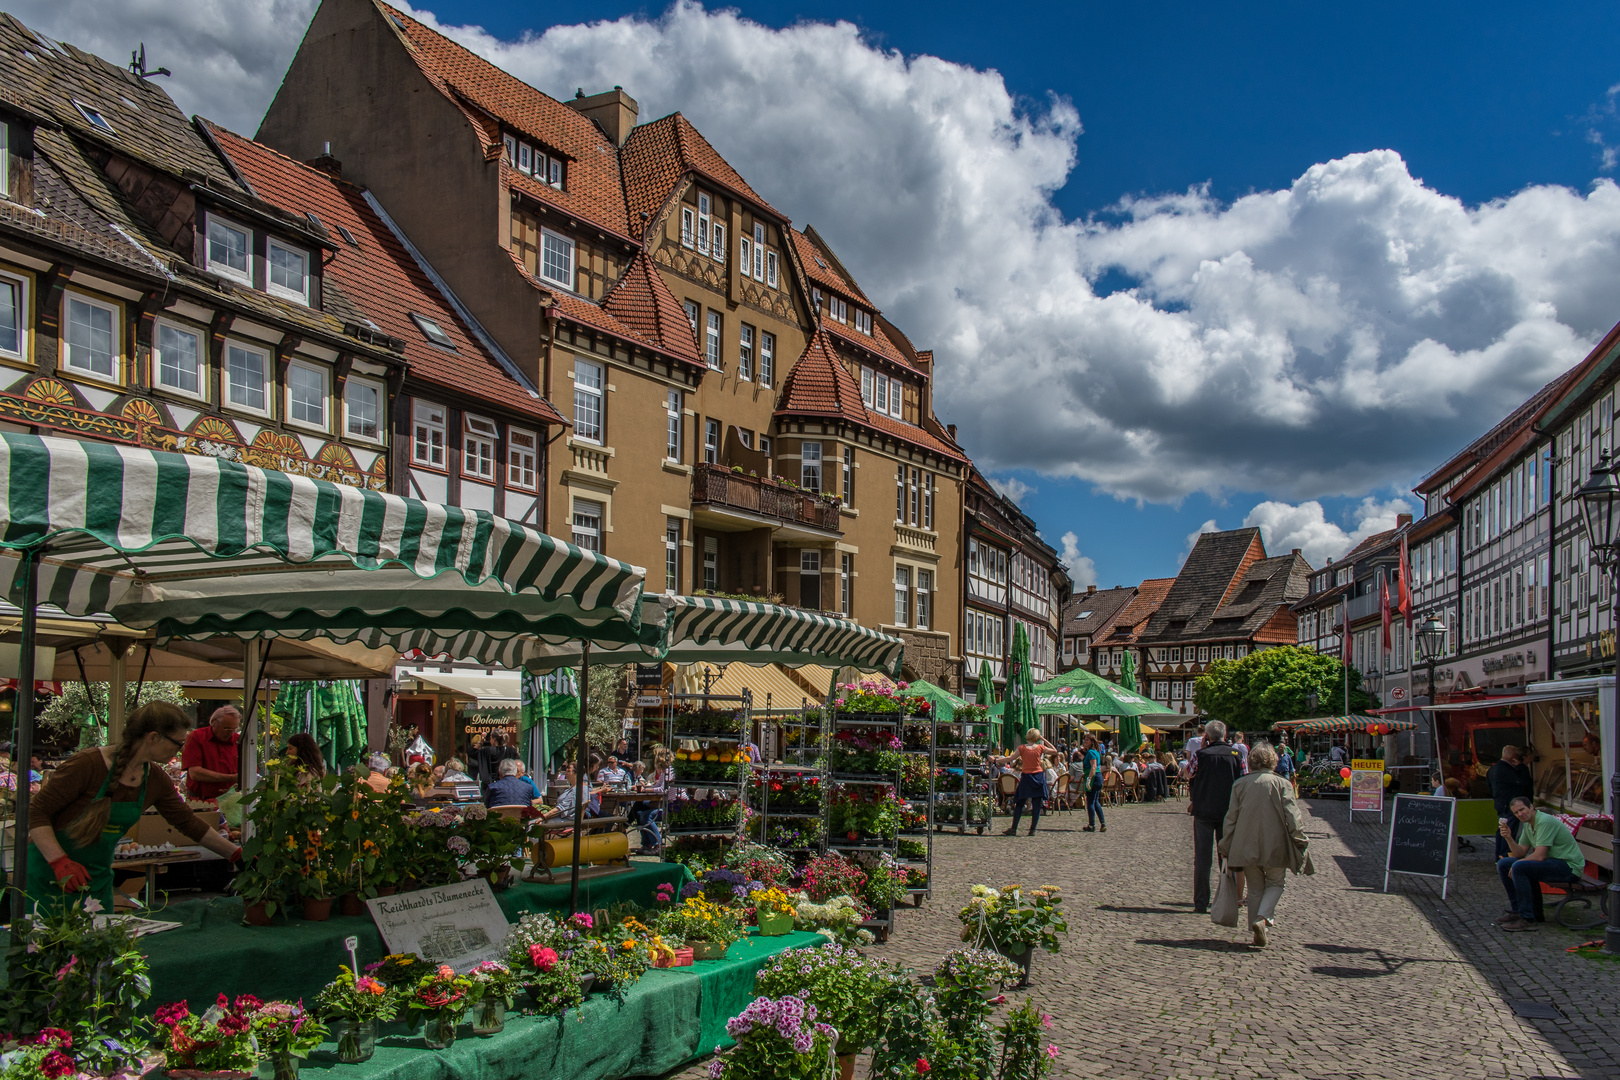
{"x":693,"y":629}
{"x":766,"y":682}
{"x":1456,"y":706}
{"x":1342,"y":725}
{"x":502,"y":690}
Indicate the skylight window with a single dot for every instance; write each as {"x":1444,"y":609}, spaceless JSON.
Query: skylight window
{"x":94,"y":118}
{"x":1084,"y":615}
{"x":314,"y":222}
{"x":348,"y":237}
{"x":433,"y":332}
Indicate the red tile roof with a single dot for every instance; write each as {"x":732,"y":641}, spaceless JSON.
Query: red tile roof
{"x":577,"y":309}
{"x":592,"y":187}
{"x":819,"y":267}
{"x":820,"y":385}
{"x":381,"y":278}
{"x":642,"y":301}
{"x":659,"y":153}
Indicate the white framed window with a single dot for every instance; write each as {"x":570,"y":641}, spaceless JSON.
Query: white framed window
{"x":433,"y":332}
{"x":770,"y":269}
{"x":688,"y":227}
{"x":900,"y":495}
{"x":511,"y":149}
{"x":427,"y":434}
{"x":704,"y":205}
{"x":177,"y":359}
{"x":247,"y":377}
{"x":557,"y":259}
{"x":478,"y":438}
{"x":719,"y":252}
{"x":863,"y":321}
{"x":810,"y":578}
{"x":554,"y":172}
{"x":93,"y":343}
{"x":759,"y":254}
{"x":810,"y":466}
{"x":745,"y":437}
{"x":880,"y":399}
{"x":842,"y":310}
{"x":230,"y":250}
{"x":522,"y":459}
{"x":306,"y":394}
{"x":13,"y":311}
{"x":711,"y":441}
{"x":587,"y":401}
{"x":896,"y":397}
{"x":525,"y":160}
{"x":673,"y":425}
{"x":902,"y":596}
{"x":868,"y":390}
{"x":928,"y":501}
{"x":745,"y":351}
{"x":925,"y":587}
{"x":711,"y":563}
{"x":765,"y":445}
{"x":849,"y":476}
{"x":914,"y":489}
{"x":588,"y":524}
{"x":693,"y":313}
{"x":846,"y":583}
{"x":711,"y":349}
{"x":672,"y":555}
{"x":767,"y":358}
{"x":5,"y":159}
{"x":362,"y":408}
{"x":288,"y":272}
{"x":745,"y":253}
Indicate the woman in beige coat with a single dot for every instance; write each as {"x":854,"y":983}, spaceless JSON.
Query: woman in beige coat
{"x":1263,"y":837}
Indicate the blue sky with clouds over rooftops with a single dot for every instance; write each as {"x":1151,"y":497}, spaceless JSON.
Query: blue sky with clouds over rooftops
{"x":1185,"y":266}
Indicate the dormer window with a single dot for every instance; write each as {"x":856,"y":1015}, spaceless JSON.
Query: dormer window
{"x":705,"y":205}
{"x":532,"y":161}
{"x":289,"y":273}
{"x":557,"y":259}
{"x":94,"y":118}
{"x":863,"y":321}
{"x":229,"y":250}
{"x":882,"y":394}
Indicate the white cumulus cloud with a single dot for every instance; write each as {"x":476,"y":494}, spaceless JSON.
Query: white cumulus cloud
{"x":1305,"y":526}
{"x":1335,"y":337}
{"x":1082,"y":568}
{"x":1013,"y":488}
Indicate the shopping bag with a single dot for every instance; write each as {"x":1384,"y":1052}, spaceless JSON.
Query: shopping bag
{"x":1228,"y":895}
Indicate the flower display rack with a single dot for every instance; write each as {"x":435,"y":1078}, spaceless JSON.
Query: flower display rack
{"x":786,"y":807}
{"x":850,"y":734}
{"x":963,"y":794}
{"x":709,"y":733}
{"x":918,"y":789}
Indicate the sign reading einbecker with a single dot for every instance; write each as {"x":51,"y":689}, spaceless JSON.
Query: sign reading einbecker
{"x":460,"y":925}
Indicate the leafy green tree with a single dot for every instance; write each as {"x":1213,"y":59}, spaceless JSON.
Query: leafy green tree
{"x":1264,"y":687}
{"x":74,"y":718}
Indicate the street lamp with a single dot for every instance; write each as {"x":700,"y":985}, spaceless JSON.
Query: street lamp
{"x":1600,"y":509}
{"x":1431,"y":644}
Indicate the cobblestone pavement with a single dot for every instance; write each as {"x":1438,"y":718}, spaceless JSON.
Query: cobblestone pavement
{"x":1355,"y":982}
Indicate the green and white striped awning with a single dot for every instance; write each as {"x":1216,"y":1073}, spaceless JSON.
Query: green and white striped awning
{"x":691,"y":629}
{"x":1343,"y":725}
{"x":190,"y":546}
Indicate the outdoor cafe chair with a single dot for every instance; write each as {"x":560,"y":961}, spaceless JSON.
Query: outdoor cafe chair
{"x":1110,"y":788}
{"x":1006,"y":788}
{"x":1130,"y":790}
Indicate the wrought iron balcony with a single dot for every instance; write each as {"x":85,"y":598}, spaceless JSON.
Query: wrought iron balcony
{"x":718,"y":487}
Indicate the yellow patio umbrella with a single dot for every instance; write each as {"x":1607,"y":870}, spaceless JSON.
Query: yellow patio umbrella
{"x":1095,"y":726}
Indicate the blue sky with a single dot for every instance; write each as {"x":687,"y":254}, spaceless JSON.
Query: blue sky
{"x":1184,"y":265}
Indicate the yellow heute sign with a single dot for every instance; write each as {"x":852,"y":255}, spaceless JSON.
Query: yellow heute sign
{"x":1369,"y":765}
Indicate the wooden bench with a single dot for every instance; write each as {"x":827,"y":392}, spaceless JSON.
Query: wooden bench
{"x":1574,"y":908}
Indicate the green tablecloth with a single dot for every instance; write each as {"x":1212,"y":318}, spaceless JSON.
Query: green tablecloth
{"x":213,"y":953}
{"x":666,"y":1019}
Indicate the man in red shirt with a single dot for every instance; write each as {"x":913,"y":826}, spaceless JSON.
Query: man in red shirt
{"x":210,"y":755}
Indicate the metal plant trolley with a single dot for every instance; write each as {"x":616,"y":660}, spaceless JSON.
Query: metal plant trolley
{"x":713,"y":766}
{"x":964,"y":795}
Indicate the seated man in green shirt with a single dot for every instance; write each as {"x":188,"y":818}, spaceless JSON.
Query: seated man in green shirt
{"x":1549,"y":853}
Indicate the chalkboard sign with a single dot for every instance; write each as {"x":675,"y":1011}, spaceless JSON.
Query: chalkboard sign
{"x":1421,"y":838}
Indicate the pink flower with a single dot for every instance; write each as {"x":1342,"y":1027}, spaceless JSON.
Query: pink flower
{"x":1046,"y":1020}
{"x":922,"y":1065}
{"x":581,"y":920}
{"x":544,"y":959}
{"x":56,"y":1064}
{"x":63,"y":971}
{"x":446,"y":971}
{"x":1051,"y":1050}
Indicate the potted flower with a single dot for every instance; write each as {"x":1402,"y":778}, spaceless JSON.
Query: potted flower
{"x":839,"y":919}
{"x":773,"y":911}
{"x":865,"y":752}
{"x":842,"y":985}
{"x":1014,"y":921}
{"x":706,"y":926}
{"x":830,"y":875}
{"x":438,"y":1002}
{"x":47,"y":1054}
{"x":286,"y":1033}
{"x":538,"y":953}
{"x":975,"y":972}
{"x":218,"y":1044}
{"x":356,"y":1006}
{"x":777,"y":1040}
{"x":886,"y":881}
{"x":490,"y":994}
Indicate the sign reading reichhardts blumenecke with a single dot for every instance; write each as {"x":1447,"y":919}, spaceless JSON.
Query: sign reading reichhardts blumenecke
{"x":460,"y":925}
{"x":1421,"y":837}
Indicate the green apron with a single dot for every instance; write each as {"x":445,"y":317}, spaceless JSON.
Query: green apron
{"x":96,"y":857}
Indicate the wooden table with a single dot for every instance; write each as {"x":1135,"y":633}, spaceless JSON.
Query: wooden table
{"x":151,"y":863}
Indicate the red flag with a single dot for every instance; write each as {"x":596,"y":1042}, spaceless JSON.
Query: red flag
{"x":1403,"y":593}
{"x":1383,"y":595}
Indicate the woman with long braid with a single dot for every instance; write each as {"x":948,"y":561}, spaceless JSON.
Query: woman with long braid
{"x":96,"y":796}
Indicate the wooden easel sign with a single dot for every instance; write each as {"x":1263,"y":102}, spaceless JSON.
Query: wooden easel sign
{"x":1422,"y":836}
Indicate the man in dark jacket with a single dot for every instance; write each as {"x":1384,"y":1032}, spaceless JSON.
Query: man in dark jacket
{"x":1218,"y":767}
{"x":1509,"y":779}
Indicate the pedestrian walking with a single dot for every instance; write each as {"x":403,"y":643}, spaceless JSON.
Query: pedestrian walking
{"x":1094,"y":786}
{"x":1030,"y":757}
{"x":1264,"y":837}
{"x":1216,"y":768}
{"x":1243,"y":751}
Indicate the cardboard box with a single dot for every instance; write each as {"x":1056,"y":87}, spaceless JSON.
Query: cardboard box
{"x":153,"y":830}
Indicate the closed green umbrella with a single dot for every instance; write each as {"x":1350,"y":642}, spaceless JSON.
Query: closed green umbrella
{"x":1130,"y":728}
{"x":332,"y":713}
{"x":1019,"y":714}
{"x":987,"y":690}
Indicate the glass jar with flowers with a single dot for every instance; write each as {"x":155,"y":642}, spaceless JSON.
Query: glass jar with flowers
{"x":355,"y":1006}
{"x":490,"y":989}
{"x":702,"y":924}
{"x":438,"y":1003}
{"x":773,"y":911}
{"x":777,"y":1040}
{"x":217,"y":1044}
{"x":286,"y":1033}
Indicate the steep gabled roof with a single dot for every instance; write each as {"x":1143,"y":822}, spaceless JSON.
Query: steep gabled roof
{"x":819,"y":267}
{"x":1510,"y":425}
{"x":641,"y":301}
{"x":1132,"y":620}
{"x":1093,"y":613}
{"x":382,"y":280}
{"x":1206,"y":579}
{"x":592,"y":187}
{"x":1268,"y":584}
{"x":657,"y":154}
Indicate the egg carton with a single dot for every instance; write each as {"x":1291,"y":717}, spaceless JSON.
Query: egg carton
{"x":140,"y":851}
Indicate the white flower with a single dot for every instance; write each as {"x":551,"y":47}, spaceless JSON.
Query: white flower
{"x":92,"y":906}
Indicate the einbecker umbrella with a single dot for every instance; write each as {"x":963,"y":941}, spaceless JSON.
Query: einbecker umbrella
{"x":1018,"y":714}
{"x":986,"y":694}
{"x":945,"y":703}
{"x":1130,"y":732}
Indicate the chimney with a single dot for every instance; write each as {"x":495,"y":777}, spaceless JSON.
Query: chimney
{"x":950,"y":429}
{"x":1296,"y":551}
{"x":326,"y":162}
{"x":1090,"y":589}
{"x":1402,"y":520}
{"x":614,"y":112}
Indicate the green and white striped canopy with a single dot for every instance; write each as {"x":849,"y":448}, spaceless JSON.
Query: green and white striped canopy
{"x":690,"y":629}
{"x":1343,"y":725}
{"x":191,"y":546}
